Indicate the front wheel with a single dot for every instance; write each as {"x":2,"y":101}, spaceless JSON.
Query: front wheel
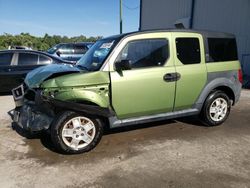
{"x":216,"y":109}
{"x":74,"y":133}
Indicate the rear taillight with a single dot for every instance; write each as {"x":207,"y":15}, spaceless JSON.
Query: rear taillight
{"x":240,"y":77}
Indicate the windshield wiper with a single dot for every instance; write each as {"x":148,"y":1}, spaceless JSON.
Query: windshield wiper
{"x":83,"y":67}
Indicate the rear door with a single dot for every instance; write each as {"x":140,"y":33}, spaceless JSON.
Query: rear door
{"x":25,"y":63}
{"x":190,"y":65}
{"x":142,"y":90}
{"x":5,"y":71}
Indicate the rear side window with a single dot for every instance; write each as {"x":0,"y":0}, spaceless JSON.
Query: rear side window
{"x":222,"y":49}
{"x":66,"y":49}
{"x":80,"y":49}
{"x":145,"y":53}
{"x":27,"y":59}
{"x":44,"y":60}
{"x":188,"y":50}
{"x":5,"y":58}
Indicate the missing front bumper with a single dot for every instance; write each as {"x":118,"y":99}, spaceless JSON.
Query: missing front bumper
{"x":38,"y":113}
{"x":28,"y":118}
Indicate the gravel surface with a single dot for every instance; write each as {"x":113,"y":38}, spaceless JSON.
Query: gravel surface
{"x":177,"y":153}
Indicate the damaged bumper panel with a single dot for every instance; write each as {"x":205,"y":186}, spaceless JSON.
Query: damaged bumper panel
{"x":38,"y":115}
{"x":31,"y":119}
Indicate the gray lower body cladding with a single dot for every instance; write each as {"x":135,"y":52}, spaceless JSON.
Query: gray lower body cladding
{"x":227,"y":79}
{"x":114,"y":122}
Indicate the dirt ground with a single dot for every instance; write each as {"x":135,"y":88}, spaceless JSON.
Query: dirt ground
{"x":178,"y":153}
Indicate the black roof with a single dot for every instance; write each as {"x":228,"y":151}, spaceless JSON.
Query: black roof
{"x":33,"y":51}
{"x":23,"y":50}
{"x":204,"y":33}
{"x":77,"y":43}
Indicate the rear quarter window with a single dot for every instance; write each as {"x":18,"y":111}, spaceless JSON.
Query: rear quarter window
{"x":5,"y":59}
{"x":44,"y":60}
{"x":27,"y":59}
{"x":222,"y":49}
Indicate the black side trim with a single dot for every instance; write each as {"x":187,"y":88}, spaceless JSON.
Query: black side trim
{"x":115,"y":122}
{"x":77,"y":107}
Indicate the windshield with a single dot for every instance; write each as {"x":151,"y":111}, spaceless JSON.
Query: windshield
{"x":54,"y":49}
{"x":97,"y":54}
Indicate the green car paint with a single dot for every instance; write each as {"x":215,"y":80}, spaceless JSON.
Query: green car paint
{"x":148,"y":92}
{"x":223,"y":66}
{"x":89,"y":87}
{"x":131,"y":79}
{"x":143,"y":86}
{"x":138,"y":92}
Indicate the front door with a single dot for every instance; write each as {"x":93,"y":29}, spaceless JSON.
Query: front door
{"x":145,"y":89}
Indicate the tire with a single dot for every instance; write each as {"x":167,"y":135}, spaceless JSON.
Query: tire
{"x":216,"y":109}
{"x":73,"y":133}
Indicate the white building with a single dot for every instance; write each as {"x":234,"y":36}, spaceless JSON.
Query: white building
{"x":232,"y":16}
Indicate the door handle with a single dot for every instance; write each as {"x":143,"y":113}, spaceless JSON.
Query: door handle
{"x":172,"y":77}
{"x":7,"y":70}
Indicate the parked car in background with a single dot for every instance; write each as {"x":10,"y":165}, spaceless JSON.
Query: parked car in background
{"x":19,"y":48}
{"x":70,"y":51}
{"x":15,"y":64}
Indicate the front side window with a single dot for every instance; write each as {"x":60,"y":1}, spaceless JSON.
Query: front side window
{"x":27,"y":59}
{"x":5,"y":58}
{"x":222,"y":49}
{"x":188,"y":50}
{"x":145,"y":53}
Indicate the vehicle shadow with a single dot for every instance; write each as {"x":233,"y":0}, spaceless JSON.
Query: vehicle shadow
{"x":43,"y":136}
{"x":191,"y":120}
{"x":5,"y":93}
{"x":45,"y":139}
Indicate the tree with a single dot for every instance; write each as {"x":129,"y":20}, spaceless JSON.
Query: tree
{"x":40,"y":43}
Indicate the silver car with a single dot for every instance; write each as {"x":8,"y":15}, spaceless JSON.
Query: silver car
{"x":70,"y":51}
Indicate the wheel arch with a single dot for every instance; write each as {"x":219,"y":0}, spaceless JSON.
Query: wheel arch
{"x":228,"y":91}
{"x":222,"y":84}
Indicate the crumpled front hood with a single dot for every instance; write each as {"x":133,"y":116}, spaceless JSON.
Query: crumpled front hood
{"x":37,"y":76}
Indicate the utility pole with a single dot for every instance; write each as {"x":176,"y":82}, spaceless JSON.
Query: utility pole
{"x":120,"y":16}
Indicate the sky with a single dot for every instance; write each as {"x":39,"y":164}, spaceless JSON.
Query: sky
{"x":67,"y":17}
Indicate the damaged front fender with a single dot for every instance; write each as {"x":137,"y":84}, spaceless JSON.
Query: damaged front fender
{"x":98,"y":95}
{"x":38,"y":115}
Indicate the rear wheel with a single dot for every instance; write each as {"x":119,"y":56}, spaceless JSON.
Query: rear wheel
{"x":76,"y":133}
{"x":216,"y":109}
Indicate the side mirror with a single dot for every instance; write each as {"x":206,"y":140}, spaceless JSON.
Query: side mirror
{"x":123,"y":65}
{"x":58,"y":53}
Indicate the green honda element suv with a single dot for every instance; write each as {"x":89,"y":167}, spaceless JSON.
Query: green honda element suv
{"x":130,"y":79}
